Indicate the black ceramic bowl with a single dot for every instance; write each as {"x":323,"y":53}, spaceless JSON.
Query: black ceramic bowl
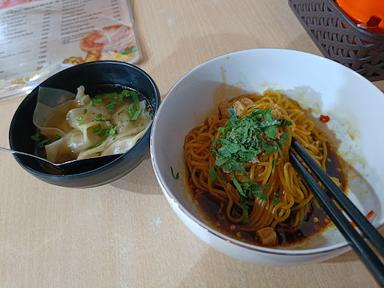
{"x":90,"y":75}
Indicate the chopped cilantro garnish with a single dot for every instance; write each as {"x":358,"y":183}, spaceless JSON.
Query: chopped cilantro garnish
{"x":275,"y":201}
{"x":253,"y":190}
{"x":238,"y":187}
{"x":45,"y":141}
{"x":240,"y":142}
{"x":114,"y":98}
{"x":37,"y":136}
{"x":175,"y":176}
{"x":130,"y":93}
{"x":111,"y":106}
{"x":273,"y":163}
{"x":103,"y":132}
{"x":212,"y":174}
{"x":243,"y":139}
{"x":97,"y":99}
{"x":232,"y":113}
{"x":112,"y":132}
{"x":99,"y":117}
{"x":134,"y":111}
{"x":99,"y":131}
{"x":270,"y":131}
{"x":80,"y":120}
{"x":94,"y":146}
{"x":283,"y":138}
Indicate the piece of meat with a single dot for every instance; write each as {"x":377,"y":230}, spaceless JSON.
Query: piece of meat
{"x":223,"y":109}
{"x":267,"y":236}
{"x":246,"y":101}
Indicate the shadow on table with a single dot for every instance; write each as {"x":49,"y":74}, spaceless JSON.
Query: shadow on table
{"x":140,"y":180}
{"x":234,"y":273}
{"x":349,"y":256}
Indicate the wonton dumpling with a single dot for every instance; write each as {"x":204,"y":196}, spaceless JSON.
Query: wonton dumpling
{"x":93,"y":152}
{"x":59,"y":151}
{"x":87,"y":128}
{"x":125,"y":125}
{"x":79,"y":116}
{"x":123,"y":144}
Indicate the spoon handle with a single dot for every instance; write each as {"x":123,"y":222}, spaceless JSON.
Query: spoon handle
{"x":22,"y":153}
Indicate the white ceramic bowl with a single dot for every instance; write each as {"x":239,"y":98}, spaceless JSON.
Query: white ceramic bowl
{"x":353,"y":103}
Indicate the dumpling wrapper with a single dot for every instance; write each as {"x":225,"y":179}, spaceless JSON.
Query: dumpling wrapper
{"x":114,"y":145}
{"x":58,"y":113}
{"x":123,"y":144}
{"x":51,"y":109}
{"x":125,"y":125}
{"x":60,"y":150}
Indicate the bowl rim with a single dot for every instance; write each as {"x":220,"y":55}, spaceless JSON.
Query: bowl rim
{"x":101,"y":169}
{"x":208,"y":228}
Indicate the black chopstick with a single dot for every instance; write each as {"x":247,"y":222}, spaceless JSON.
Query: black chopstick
{"x":372,"y":262}
{"x":358,"y":218}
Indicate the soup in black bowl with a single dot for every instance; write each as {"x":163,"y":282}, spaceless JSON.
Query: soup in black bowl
{"x":98,"y":78}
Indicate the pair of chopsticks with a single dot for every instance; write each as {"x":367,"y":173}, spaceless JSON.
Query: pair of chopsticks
{"x":327,"y":198}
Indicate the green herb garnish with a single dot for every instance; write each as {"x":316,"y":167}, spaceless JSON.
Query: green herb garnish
{"x":212,"y":174}
{"x":97,"y":99}
{"x":80,"y":120}
{"x":114,"y":98}
{"x":242,"y":140}
{"x":45,"y":141}
{"x":238,"y":187}
{"x":100,"y":131}
{"x":112,"y":132}
{"x":111,"y":106}
{"x":175,"y":176}
{"x":104,"y":132}
{"x":134,"y":109}
{"x":85,"y":111}
{"x":253,"y":190}
{"x":94,"y":146}
{"x":37,"y":136}
{"x":275,"y":201}
{"x":99,"y":117}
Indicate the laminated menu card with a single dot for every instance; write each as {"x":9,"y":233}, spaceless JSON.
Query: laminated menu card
{"x":41,"y":37}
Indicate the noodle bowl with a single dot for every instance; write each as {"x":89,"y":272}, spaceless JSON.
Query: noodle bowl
{"x":337,"y":94}
{"x":238,"y":162}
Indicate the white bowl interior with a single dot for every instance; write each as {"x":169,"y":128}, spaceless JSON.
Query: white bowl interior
{"x":353,"y":103}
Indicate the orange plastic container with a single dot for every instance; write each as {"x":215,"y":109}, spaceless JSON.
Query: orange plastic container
{"x":368,"y":14}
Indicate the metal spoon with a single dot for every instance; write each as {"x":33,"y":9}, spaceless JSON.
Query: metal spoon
{"x":72,"y":165}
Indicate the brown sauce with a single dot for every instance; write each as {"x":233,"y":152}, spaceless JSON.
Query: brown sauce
{"x":315,"y":221}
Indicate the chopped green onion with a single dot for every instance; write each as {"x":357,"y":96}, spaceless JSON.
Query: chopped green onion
{"x":275,"y":201}
{"x":212,"y":174}
{"x":80,"y":120}
{"x":175,"y":176}
{"x":99,"y":117}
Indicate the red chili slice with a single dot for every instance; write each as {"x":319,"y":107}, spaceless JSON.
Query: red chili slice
{"x":324,"y":118}
{"x":369,"y":216}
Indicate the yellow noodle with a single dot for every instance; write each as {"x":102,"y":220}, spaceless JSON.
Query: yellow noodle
{"x":274,"y":169}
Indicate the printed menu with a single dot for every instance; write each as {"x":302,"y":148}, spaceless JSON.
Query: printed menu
{"x":41,"y":37}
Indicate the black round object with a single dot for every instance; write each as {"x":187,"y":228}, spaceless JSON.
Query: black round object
{"x":90,"y":75}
